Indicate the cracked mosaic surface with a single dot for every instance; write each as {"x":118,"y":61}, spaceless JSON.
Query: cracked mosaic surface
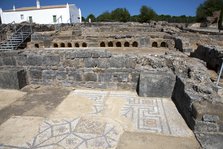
{"x":147,"y":114}
{"x":76,"y":133}
{"x":144,"y":114}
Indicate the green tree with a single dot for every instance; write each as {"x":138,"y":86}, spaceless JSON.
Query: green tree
{"x":120,"y":14}
{"x":163,"y":18}
{"x":204,"y":10}
{"x":83,"y":19}
{"x":92,"y":17}
{"x":135,"y":18}
{"x":147,"y":14}
{"x":104,"y":17}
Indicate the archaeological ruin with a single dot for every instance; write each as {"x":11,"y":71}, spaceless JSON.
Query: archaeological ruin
{"x":154,"y":60}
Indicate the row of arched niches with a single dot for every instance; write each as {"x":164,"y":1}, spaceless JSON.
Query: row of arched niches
{"x":103,"y":44}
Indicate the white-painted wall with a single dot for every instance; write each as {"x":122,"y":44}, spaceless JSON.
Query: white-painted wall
{"x":43,"y":16}
{"x":74,"y":14}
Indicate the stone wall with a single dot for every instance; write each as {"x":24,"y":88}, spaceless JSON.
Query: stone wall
{"x":93,"y":34}
{"x":198,"y":102}
{"x":80,"y":67}
{"x":212,"y":55}
{"x":47,"y":41}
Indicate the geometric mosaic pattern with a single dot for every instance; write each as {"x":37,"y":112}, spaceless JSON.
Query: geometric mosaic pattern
{"x":146,"y":115}
{"x":97,"y":96}
{"x":68,"y":134}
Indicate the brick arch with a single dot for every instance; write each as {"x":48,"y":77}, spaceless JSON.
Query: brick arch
{"x":77,"y":45}
{"x":126,"y":44}
{"x":84,"y":44}
{"x":135,"y":44}
{"x":55,"y":45}
{"x":62,"y":44}
{"x":155,"y":44}
{"x":102,"y":44}
{"x":110,"y":44}
{"x":69,"y":44}
{"x":164,"y":44}
{"x":118,"y":44}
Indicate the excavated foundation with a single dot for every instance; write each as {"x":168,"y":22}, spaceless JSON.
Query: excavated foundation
{"x":136,"y":58}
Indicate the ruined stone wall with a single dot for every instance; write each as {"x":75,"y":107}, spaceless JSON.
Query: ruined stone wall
{"x":195,"y":96}
{"x":80,"y":67}
{"x":188,"y":42}
{"x":212,"y":55}
{"x":111,"y":34}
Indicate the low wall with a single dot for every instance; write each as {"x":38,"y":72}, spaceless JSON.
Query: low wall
{"x":81,"y":67}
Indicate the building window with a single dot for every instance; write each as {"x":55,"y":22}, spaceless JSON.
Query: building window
{"x":30,"y":19}
{"x":22,"y":16}
{"x":54,"y":18}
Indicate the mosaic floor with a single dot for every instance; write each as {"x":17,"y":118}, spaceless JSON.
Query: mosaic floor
{"x":112,"y":113}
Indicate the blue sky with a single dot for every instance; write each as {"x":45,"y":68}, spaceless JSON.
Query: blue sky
{"x":171,"y":7}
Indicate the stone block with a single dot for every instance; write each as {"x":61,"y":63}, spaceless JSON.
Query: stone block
{"x":9,"y":60}
{"x":75,"y":76}
{"x":105,"y":77}
{"x":21,"y":60}
{"x":156,"y":84}
{"x":105,"y":54}
{"x":120,"y":77}
{"x":35,"y":74}
{"x":83,"y":54}
{"x":210,"y":118}
{"x":61,"y":75}
{"x":12,"y":78}
{"x":48,"y":74}
{"x":103,"y":63}
{"x":201,"y":126}
{"x":91,"y":62}
{"x":51,"y":60}
{"x":35,"y":60}
{"x":70,"y":55}
{"x":117,"y":62}
{"x":90,"y":77}
{"x":75,"y":63}
{"x":130,"y":63}
{"x":95,"y":54}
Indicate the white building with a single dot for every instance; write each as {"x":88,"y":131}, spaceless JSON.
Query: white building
{"x":68,"y":13}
